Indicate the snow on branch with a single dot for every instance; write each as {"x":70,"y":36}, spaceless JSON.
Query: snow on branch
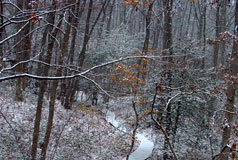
{"x":71,"y":76}
{"x":15,"y":34}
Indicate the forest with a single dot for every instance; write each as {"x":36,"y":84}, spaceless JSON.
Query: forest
{"x":118,"y":79}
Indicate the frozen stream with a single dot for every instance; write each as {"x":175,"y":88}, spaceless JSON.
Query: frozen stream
{"x":146,"y":146}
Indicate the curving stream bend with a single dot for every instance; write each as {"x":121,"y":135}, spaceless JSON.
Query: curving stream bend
{"x":146,"y":146}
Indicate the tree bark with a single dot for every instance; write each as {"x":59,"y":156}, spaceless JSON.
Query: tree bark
{"x":167,"y":49}
{"x":24,"y":48}
{"x":54,"y":89}
{"x":43,"y":83}
{"x":156,"y":33}
{"x":146,"y":41}
{"x":230,"y":92}
{"x":66,"y":86}
{"x":1,"y":30}
{"x":216,"y":46}
{"x":204,"y":19}
{"x":223,"y":28}
{"x":110,"y":16}
{"x":147,"y":31}
{"x":134,"y":130}
{"x":87,"y":34}
{"x":69,"y":100}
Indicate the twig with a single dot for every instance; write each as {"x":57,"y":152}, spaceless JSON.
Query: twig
{"x":220,"y":110}
{"x":75,"y":75}
{"x":210,"y":141}
{"x":58,"y":139}
{"x":15,"y":34}
{"x":167,"y":104}
{"x":159,"y":125}
{"x":223,"y":150}
{"x":134,"y":131}
{"x":15,"y":136}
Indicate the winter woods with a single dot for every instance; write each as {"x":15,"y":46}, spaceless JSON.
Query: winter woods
{"x":163,"y":66}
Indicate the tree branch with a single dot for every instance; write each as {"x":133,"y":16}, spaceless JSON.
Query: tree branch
{"x":159,"y":125}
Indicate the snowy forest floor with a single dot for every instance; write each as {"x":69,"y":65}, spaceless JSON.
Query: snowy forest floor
{"x":80,"y":133}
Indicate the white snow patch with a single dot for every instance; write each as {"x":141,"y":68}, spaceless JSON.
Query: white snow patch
{"x":146,"y":146}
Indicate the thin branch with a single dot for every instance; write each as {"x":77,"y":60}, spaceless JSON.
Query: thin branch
{"x":14,"y":5}
{"x":75,"y":75}
{"x":17,"y":64}
{"x":98,"y":86}
{"x":159,"y":125}
{"x":58,"y":138}
{"x":99,"y":14}
{"x":220,"y":110}
{"x":167,"y":104}
{"x":15,"y":34}
{"x":134,"y":130}
{"x":14,"y":132}
{"x":226,"y":147}
{"x":10,"y":20}
{"x":31,"y":32}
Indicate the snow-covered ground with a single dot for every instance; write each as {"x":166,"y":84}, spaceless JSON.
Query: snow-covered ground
{"x":82,"y":133}
{"x":145,"y":147}
{"x":144,"y":150}
{"x":78,"y":134}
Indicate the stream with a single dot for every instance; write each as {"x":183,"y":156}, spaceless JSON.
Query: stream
{"x":146,"y":146}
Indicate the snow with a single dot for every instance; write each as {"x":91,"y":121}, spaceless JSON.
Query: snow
{"x":80,"y":133}
{"x":146,"y":146}
{"x":144,"y":150}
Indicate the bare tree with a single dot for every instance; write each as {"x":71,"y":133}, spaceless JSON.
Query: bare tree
{"x":42,"y":88}
{"x":1,"y":30}
{"x":230,"y":92}
{"x":24,"y":48}
{"x":87,"y":34}
{"x":167,"y":47}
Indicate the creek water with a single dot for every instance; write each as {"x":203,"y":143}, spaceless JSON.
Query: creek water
{"x":146,"y":146}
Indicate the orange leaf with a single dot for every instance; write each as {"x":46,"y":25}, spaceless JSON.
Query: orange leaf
{"x":34,"y":18}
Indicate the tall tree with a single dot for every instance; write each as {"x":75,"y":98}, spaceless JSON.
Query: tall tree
{"x":24,"y":48}
{"x":70,"y":97}
{"x":112,"y":4}
{"x":43,"y":84}
{"x":223,"y":28}
{"x":66,"y":84}
{"x":63,"y":49}
{"x":168,"y":51}
{"x":230,"y":91}
{"x":1,"y":29}
{"x":216,"y":46}
{"x":87,"y":34}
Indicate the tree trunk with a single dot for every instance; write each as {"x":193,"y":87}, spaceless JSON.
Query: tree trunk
{"x":69,"y":100}
{"x":24,"y":48}
{"x":201,"y":21}
{"x":110,"y":16}
{"x":54,"y":89}
{"x":216,"y":46}
{"x":43,"y":83}
{"x":134,"y":130}
{"x":230,"y":93}
{"x":223,"y":29}
{"x":156,"y":33}
{"x":204,"y":19}
{"x":1,"y":31}
{"x":147,"y":31}
{"x":87,"y":34}
{"x":146,"y":41}
{"x":66,"y":84}
{"x":178,"y":114}
{"x":168,"y":51}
